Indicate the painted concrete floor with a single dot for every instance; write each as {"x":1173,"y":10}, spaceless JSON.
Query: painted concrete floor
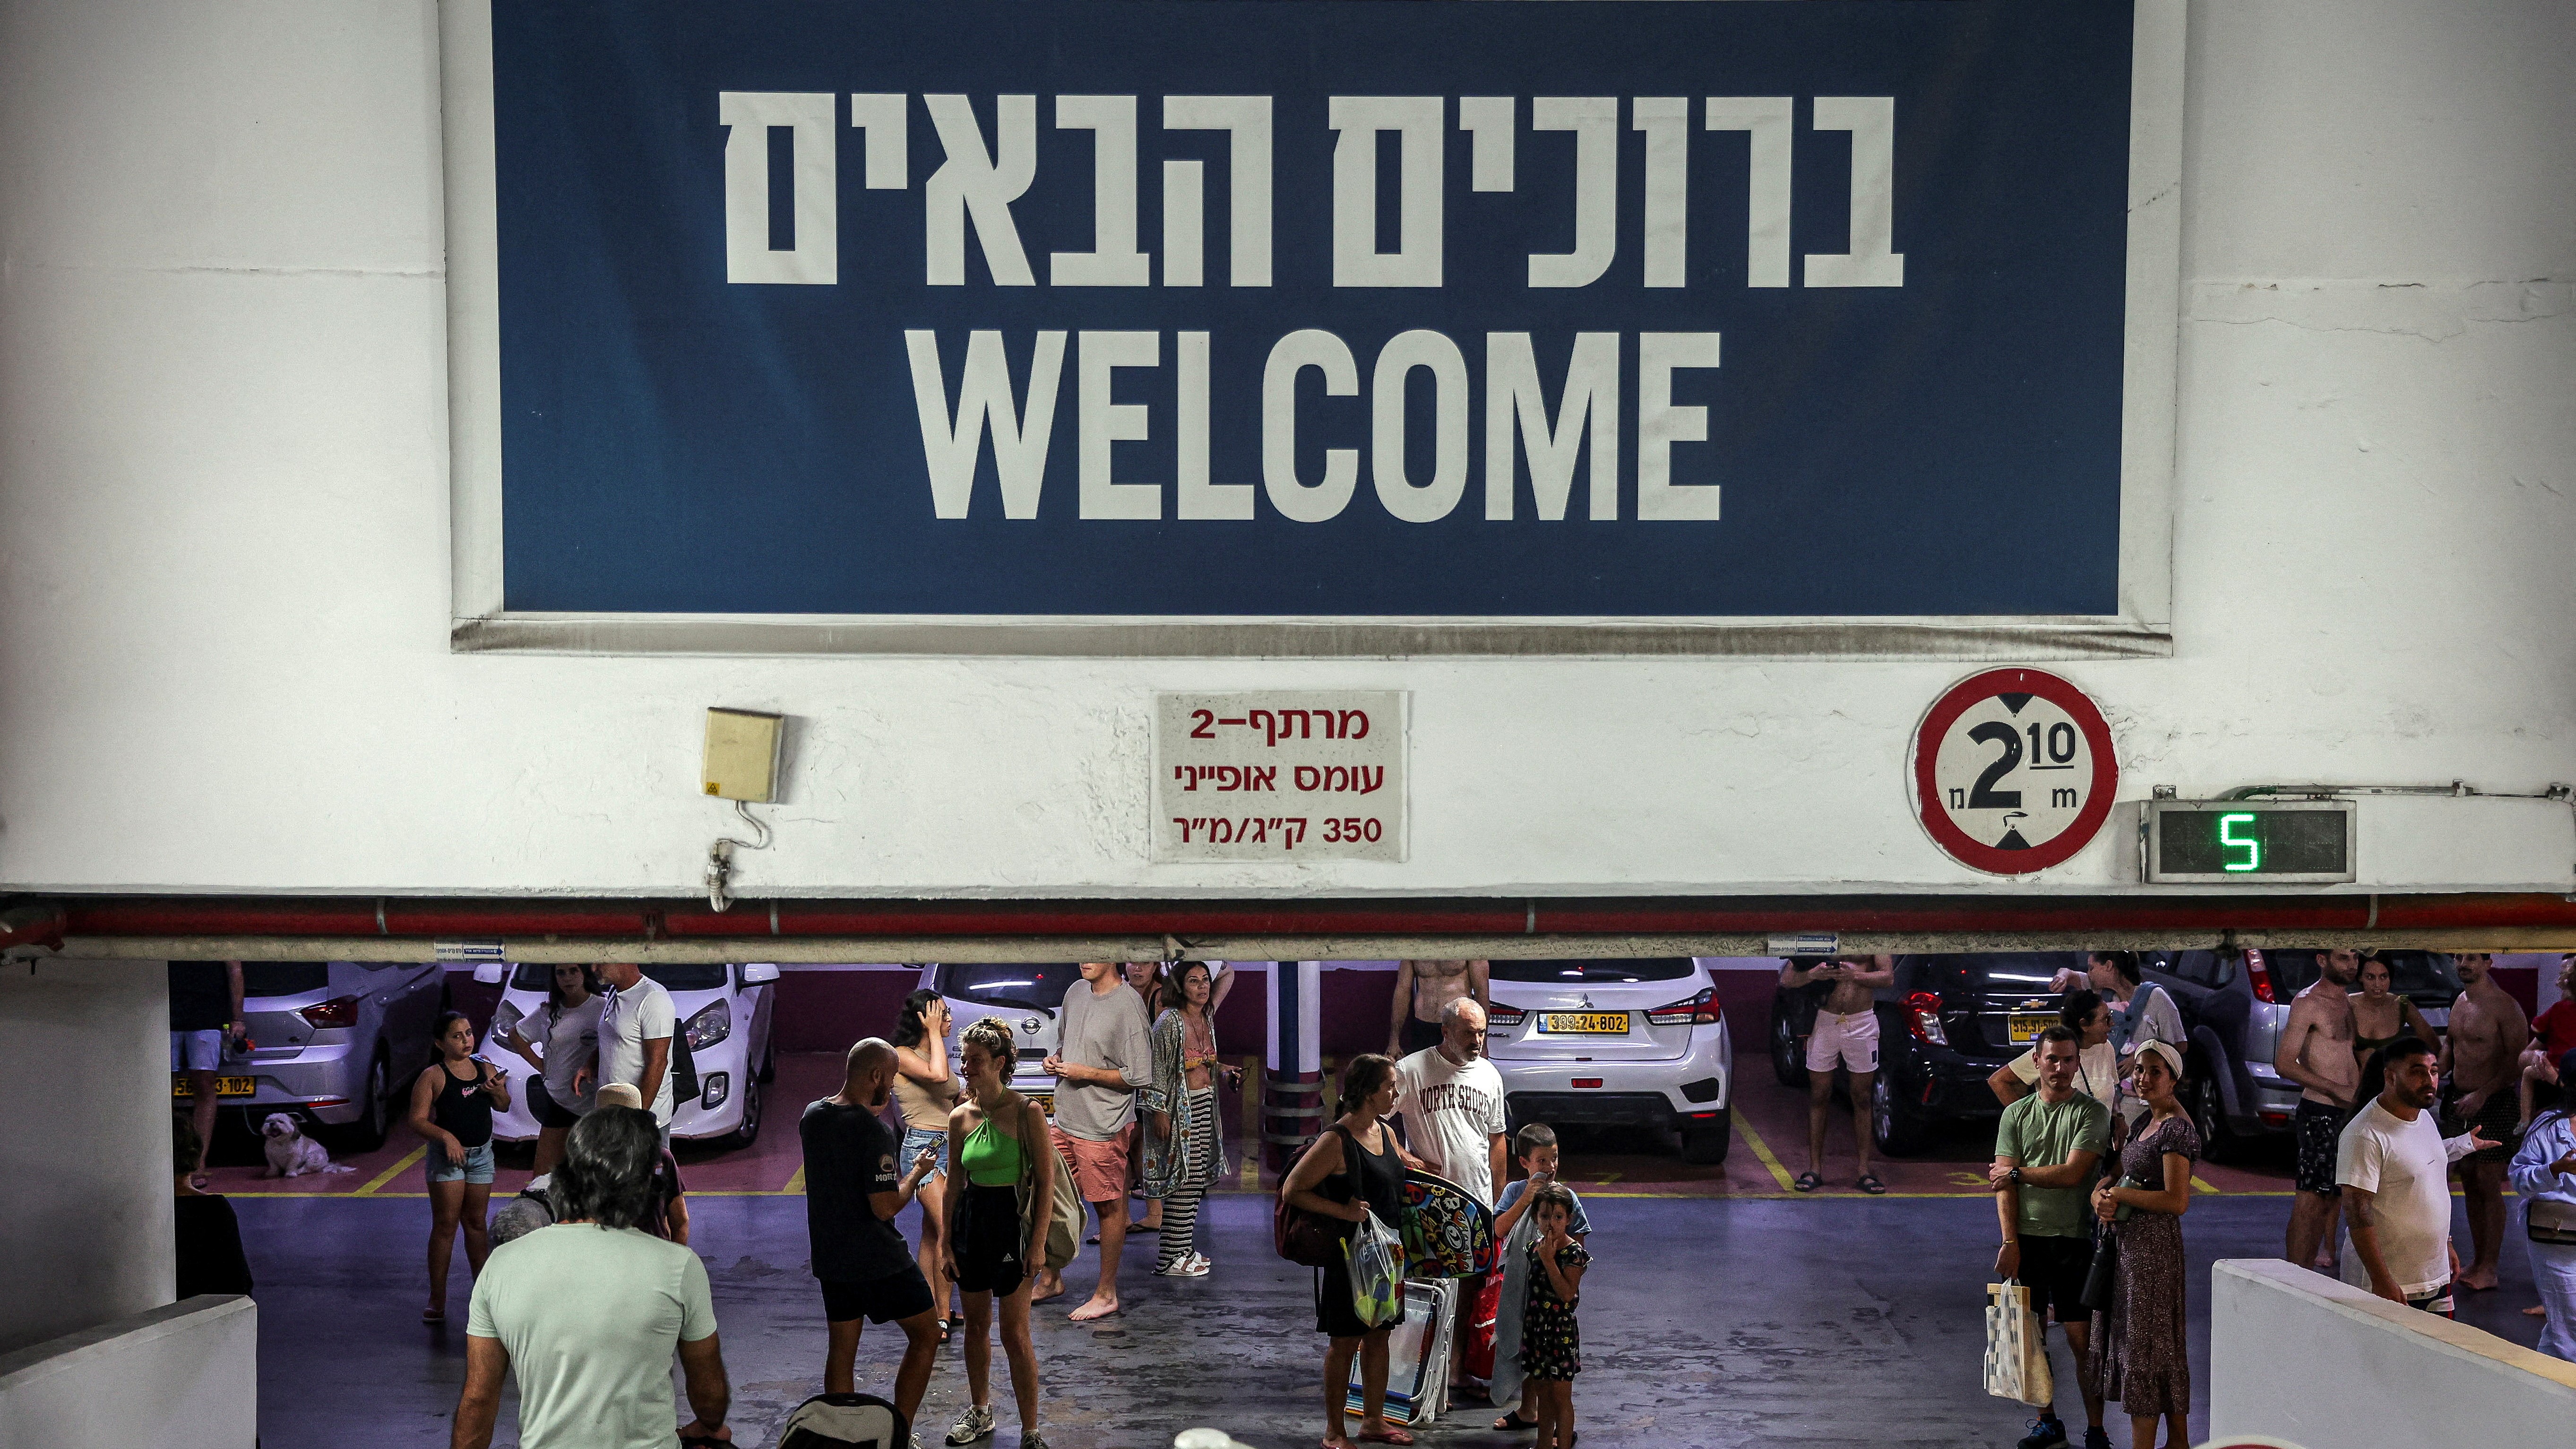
{"x":1845,"y":1321}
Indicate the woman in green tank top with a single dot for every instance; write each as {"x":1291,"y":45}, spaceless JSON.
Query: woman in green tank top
{"x":998,"y":1140}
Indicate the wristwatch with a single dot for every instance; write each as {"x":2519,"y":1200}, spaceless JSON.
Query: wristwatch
{"x":2016,"y":1177}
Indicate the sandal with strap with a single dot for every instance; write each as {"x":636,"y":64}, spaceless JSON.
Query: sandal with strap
{"x":1808,"y":1182}
{"x":1391,"y":1435}
{"x":1870,"y":1184}
{"x":1513,"y":1423}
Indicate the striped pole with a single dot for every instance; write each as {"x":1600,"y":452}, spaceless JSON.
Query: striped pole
{"x":1292,"y":1088}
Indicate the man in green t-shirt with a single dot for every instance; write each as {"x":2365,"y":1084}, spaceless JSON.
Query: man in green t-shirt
{"x":2045,"y":1151}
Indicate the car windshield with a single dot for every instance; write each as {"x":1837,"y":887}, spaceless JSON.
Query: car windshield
{"x":1039,"y":984}
{"x":1610,"y":971}
{"x":284,"y":978}
{"x":690,"y":976}
{"x":2425,"y":974}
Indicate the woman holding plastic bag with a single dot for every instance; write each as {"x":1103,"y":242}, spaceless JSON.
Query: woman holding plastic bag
{"x":1353,"y":1170}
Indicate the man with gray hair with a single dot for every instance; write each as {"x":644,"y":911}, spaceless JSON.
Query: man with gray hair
{"x":590,"y":1309}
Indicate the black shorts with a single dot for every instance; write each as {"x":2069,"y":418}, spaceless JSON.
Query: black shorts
{"x":989,"y":1242}
{"x":548,"y":1112}
{"x":888,"y":1299}
{"x":2319,"y":1130}
{"x":2054,"y":1270}
{"x":1420,"y":1035}
{"x":2498,"y":1118}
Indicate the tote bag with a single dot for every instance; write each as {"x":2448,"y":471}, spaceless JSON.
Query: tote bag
{"x":2016,"y":1354}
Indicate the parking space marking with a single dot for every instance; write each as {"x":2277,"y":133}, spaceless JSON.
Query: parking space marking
{"x":1761,"y":1149}
{"x":795,"y":1183}
{"x":2199,"y":1186}
{"x":390,"y":1173}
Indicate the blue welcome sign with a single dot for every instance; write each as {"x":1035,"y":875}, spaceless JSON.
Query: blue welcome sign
{"x":1412,"y":326}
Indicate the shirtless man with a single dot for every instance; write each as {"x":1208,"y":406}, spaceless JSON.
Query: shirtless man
{"x":1422,"y":988}
{"x":1846,"y":1036}
{"x":2316,"y":1053}
{"x":2481,"y":1056}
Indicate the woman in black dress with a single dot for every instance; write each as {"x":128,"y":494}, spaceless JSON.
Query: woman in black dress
{"x":1352,"y":1170}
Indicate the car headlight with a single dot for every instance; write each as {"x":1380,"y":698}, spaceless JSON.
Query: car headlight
{"x":505,"y":1020}
{"x":718,"y":1087}
{"x":712,"y":1024}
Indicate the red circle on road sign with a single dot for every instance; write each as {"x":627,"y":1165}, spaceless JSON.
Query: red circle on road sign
{"x":1934,"y":811}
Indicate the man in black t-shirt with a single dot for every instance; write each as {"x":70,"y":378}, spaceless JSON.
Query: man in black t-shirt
{"x":205,"y":1008}
{"x":852,"y":1192}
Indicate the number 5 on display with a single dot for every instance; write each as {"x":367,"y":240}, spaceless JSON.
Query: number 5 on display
{"x":2230,"y":840}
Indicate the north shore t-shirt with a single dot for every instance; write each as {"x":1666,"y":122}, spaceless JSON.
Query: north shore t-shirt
{"x":640,"y":1013}
{"x":2038,"y":1133}
{"x":1451,"y":1115}
{"x":590,"y":1317}
{"x":849,"y":1155}
{"x":2406,"y":1167}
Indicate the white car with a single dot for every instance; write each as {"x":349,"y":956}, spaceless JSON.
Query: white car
{"x":1027,"y":996}
{"x":1635,"y":1041}
{"x":725,"y":1011}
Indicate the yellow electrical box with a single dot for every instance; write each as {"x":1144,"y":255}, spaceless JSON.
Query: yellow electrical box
{"x":742,"y":754}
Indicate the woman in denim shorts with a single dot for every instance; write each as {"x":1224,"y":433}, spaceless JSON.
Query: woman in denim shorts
{"x":925,"y":1088}
{"x":451,"y":1108}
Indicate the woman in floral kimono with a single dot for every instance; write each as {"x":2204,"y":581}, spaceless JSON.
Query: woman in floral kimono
{"x":1184,"y":1143}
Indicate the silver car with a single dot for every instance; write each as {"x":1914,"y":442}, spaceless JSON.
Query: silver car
{"x":333,"y":1042}
{"x":1637,"y":1041}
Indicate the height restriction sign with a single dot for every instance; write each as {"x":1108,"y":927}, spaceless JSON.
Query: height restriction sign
{"x":2012,"y":771}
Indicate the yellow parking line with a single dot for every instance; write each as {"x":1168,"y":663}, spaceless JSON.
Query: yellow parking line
{"x":1761,"y":1149}
{"x":795,"y":1185}
{"x":390,"y":1173}
{"x":2199,"y":1186}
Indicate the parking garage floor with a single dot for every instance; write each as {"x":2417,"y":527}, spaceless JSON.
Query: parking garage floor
{"x":1766,"y":1318}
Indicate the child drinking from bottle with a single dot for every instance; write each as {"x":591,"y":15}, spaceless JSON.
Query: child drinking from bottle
{"x":1551,"y":1344}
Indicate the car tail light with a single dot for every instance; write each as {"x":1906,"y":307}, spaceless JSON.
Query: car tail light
{"x":1501,"y":1015}
{"x":1700,"y":1010}
{"x":2259,"y":977}
{"x":338,"y":1011}
{"x":1923,"y":1018}
{"x":1592,"y":1082}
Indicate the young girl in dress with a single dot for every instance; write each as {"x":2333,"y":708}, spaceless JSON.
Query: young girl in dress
{"x":1551,"y":1344}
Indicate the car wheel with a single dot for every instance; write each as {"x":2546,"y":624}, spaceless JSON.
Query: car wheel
{"x":1897,"y":1132}
{"x":1786,"y":1062}
{"x":2218,"y":1140}
{"x":747,"y":1131}
{"x":1707,"y":1142}
{"x":375,"y":1108}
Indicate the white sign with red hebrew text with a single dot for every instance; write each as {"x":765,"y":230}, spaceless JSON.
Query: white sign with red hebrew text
{"x":1281,"y":775}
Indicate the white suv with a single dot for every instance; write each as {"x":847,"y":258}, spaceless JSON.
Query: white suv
{"x":1630,"y":1041}
{"x":724,"y":1010}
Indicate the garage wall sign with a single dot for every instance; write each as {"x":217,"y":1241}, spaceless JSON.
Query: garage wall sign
{"x":2012,"y":771}
{"x":1279,"y":775}
{"x":1001,"y":325}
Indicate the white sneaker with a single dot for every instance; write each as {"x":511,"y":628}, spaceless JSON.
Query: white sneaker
{"x":1033,"y":1440}
{"x":1189,"y":1267}
{"x":976,"y":1423}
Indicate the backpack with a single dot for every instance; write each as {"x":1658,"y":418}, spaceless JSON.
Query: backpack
{"x":844,"y":1421}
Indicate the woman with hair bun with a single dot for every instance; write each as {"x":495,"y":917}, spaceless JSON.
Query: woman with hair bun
{"x":925,"y":1090}
{"x":1352,"y":1170}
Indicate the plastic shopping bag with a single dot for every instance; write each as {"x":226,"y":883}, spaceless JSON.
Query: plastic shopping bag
{"x":2016,"y":1351}
{"x":1376,"y":1258}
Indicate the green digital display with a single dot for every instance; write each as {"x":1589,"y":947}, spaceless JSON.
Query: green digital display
{"x":2252,"y":841}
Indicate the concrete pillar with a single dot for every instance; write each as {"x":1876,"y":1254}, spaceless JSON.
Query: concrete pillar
{"x":1292,"y":1090}
{"x":84,"y":1145}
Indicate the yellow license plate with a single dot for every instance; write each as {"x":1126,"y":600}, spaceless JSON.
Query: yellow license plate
{"x":2027,"y":1026}
{"x":224,"y":1086}
{"x":1584,"y":1023}
{"x":1045,"y":1101}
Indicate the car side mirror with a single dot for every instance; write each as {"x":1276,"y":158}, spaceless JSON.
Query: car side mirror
{"x":759,"y":973}
{"x":488,"y":973}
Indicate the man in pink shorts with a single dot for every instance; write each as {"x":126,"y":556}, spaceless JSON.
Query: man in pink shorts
{"x":1103,"y":1054}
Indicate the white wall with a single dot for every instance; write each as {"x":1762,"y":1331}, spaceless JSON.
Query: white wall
{"x":85,"y":1073}
{"x":224,"y":567}
{"x":2297,"y":1356}
{"x":199,"y":1361}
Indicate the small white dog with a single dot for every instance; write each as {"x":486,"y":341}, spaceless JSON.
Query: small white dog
{"x":291,"y":1153}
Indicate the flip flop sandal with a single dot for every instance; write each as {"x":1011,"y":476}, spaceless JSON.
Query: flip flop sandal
{"x":1871,"y":1185}
{"x":1807,"y":1182}
{"x":1392,"y":1435}
{"x":1513,"y":1423}
{"x":433,"y":1315}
